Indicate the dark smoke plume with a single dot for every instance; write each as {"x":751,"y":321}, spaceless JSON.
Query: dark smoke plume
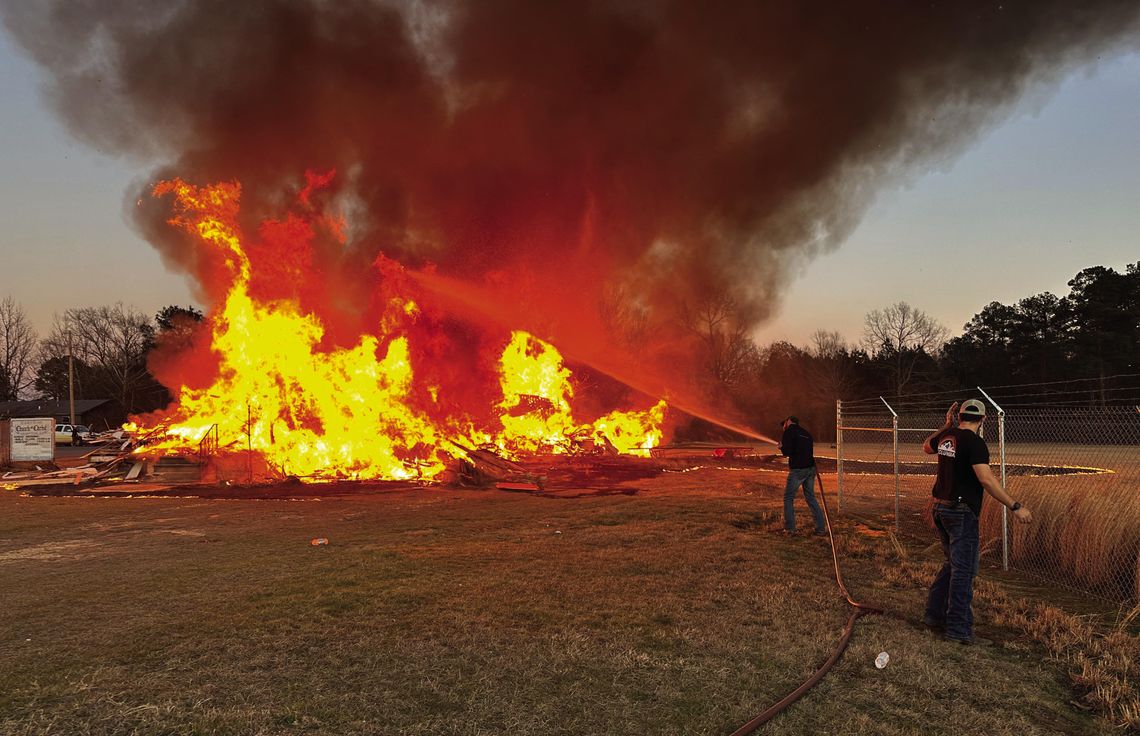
{"x":565,"y":153}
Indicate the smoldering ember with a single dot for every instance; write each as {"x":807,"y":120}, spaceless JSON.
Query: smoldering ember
{"x":468,"y":428}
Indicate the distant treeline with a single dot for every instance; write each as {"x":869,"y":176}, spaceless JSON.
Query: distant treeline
{"x":1092,"y":333}
{"x":110,"y":347}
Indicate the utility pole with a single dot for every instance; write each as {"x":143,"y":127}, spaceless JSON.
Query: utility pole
{"x":249,"y":439}
{"x":70,"y":377}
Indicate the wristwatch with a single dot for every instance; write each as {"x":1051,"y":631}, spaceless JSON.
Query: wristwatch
{"x":1016,"y":506}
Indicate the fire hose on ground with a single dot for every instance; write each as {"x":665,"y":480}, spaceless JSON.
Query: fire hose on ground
{"x":859,"y":610}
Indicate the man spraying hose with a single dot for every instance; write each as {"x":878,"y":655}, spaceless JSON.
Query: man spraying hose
{"x":798,"y":446}
{"x":963,"y":473}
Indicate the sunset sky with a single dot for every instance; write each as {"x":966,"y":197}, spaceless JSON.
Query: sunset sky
{"x":1053,"y":189}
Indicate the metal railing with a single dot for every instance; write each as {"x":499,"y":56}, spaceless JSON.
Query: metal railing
{"x":208,"y":445}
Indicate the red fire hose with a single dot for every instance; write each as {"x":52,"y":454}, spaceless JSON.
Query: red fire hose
{"x":860,"y":609}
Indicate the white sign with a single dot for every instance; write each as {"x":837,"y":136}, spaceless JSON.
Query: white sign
{"x":33,"y":440}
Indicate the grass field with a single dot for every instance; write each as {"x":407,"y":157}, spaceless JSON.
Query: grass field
{"x":675,"y":610}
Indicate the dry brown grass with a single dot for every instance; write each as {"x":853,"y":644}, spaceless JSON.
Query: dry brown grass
{"x":675,"y":611}
{"x":1084,"y":533}
{"x":1103,"y":664}
{"x":1100,"y":657}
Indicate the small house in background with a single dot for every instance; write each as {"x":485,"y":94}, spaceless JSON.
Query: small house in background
{"x":98,"y":414}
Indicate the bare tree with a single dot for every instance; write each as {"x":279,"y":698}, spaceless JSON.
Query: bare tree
{"x":17,"y":350}
{"x":718,"y":322}
{"x":626,"y":318}
{"x":113,"y":341}
{"x":831,"y":372}
{"x":901,"y":335}
{"x":826,"y":344}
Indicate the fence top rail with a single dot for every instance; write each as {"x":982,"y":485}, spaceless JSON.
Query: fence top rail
{"x":888,"y":430}
{"x":1074,"y":383}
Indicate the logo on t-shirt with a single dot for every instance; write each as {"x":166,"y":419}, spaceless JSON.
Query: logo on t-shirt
{"x":948,"y":447}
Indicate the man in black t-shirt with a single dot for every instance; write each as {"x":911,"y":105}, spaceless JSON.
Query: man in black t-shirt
{"x":963,"y":474}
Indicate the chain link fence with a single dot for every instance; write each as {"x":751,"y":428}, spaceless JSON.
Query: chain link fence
{"x":1077,"y":468}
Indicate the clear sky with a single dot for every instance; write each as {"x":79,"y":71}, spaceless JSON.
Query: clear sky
{"x":1054,"y":189}
{"x":64,"y":241}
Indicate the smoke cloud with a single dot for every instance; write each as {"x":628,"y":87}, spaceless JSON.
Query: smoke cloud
{"x":580,"y":164}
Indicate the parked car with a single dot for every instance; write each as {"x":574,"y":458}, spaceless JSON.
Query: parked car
{"x":65,"y":436}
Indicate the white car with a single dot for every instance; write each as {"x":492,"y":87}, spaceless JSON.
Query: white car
{"x":65,"y":436}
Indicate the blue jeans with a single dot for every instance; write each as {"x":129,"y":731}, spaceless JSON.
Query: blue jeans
{"x":801,"y":477}
{"x":952,"y":591}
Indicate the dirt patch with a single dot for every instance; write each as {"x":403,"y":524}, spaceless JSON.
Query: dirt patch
{"x":75,"y":549}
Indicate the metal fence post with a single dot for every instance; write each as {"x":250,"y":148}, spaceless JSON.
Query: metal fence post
{"x":895,"y":444}
{"x":839,"y":451}
{"x":1004,"y":510}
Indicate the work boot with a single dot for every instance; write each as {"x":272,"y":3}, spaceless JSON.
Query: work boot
{"x":933,"y":623}
{"x":977,"y":641}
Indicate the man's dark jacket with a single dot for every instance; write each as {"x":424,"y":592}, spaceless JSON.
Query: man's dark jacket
{"x":798,"y":446}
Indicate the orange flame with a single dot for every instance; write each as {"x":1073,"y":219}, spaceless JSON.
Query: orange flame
{"x":311,"y":410}
{"x":535,"y":380}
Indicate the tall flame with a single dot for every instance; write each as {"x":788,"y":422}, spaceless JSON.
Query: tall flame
{"x":312,"y":410}
{"x":307,"y":410}
{"x":535,"y":381}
